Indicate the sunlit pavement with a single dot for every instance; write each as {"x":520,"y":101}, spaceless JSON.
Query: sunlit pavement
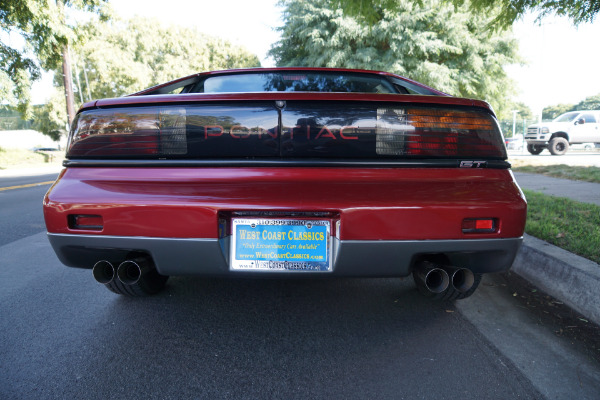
{"x":574,"y":158}
{"x":33,"y":171}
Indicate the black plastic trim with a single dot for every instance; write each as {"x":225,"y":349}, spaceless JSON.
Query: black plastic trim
{"x":361,"y":258}
{"x":334,"y":163}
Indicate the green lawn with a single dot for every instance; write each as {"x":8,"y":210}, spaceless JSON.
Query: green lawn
{"x":588,"y":174}
{"x":565,"y":223}
{"x":17,"y":158}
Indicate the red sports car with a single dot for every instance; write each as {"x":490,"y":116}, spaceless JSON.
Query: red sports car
{"x":287,"y":172}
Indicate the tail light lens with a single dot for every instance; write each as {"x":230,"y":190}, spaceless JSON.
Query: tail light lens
{"x":176,"y":132}
{"x":129,"y":132}
{"x":430,"y":132}
{"x":303,"y":129}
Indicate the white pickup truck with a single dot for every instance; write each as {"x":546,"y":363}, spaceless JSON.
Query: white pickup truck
{"x":570,"y":128}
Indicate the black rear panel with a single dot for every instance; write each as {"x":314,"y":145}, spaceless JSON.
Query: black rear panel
{"x":286,"y":130}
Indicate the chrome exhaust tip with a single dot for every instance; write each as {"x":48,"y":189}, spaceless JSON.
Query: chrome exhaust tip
{"x":432,"y":278}
{"x":130,"y":271}
{"x":463,"y":279}
{"x":104,"y":272}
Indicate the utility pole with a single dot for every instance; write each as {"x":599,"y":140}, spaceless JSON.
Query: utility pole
{"x":68,"y":83}
{"x":66,"y":69}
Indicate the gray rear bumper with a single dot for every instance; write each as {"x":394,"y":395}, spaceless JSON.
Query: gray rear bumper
{"x":350,"y":257}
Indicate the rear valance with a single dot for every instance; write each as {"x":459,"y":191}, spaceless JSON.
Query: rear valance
{"x":292,"y":129}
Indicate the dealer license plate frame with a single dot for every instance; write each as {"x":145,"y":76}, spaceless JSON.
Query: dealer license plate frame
{"x":285,"y":232}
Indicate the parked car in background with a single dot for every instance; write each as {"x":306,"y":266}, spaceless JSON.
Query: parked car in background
{"x":574,"y":127}
{"x":514,"y":142}
{"x":287,"y":172}
{"x":584,"y":146}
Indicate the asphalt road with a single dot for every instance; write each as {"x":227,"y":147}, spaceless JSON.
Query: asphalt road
{"x":21,"y":209}
{"x":62,"y":335}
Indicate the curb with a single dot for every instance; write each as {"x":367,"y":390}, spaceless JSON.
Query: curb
{"x":568,"y":277}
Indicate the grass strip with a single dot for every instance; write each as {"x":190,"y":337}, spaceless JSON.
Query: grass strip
{"x":565,"y":223}
{"x":18,"y":158}
{"x":588,"y":174}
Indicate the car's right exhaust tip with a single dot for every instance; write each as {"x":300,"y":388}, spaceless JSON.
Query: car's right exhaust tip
{"x":462,"y":279}
{"x":130,"y":271}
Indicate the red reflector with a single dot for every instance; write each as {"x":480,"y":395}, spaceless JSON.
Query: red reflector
{"x":479,"y":225}
{"x":484,"y":224}
{"x":89,"y":222}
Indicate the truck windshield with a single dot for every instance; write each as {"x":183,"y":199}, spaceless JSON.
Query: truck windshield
{"x":568,"y":117}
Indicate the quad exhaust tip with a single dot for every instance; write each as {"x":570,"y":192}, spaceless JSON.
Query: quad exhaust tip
{"x":104,"y":272}
{"x":433,"y":278}
{"x":436,"y":278}
{"x":462,"y":279}
{"x":130,"y":271}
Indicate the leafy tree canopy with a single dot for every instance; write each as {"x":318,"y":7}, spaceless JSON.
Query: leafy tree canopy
{"x":445,"y":48}
{"x":509,"y":10}
{"x":524,"y":111}
{"x":578,"y":11}
{"x":111,"y":59}
{"x":590,"y":103}
{"x":123,"y":57}
{"x":42,"y":25}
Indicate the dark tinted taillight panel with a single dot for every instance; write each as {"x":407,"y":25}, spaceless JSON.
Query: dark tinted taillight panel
{"x":300,"y":129}
{"x":199,"y":131}
{"x":388,"y":131}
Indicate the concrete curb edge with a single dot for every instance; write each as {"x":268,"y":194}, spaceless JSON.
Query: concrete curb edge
{"x":568,"y":277}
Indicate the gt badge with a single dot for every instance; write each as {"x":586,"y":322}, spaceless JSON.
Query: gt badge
{"x":473,"y":164}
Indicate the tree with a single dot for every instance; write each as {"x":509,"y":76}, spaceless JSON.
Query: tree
{"x":524,"y":111}
{"x":589,"y":103}
{"x":115,"y":58}
{"x":551,"y":112}
{"x":508,"y":119}
{"x":445,"y":48}
{"x":578,"y":11}
{"x":121,"y":57}
{"x":510,"y":10}
{"x":51,"y":118}
{"x":42,"y":25}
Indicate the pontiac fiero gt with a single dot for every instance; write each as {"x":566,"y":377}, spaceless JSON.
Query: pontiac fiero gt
{"x":287,"y":172}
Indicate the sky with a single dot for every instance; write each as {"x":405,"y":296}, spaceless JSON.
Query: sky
{"x":561,"y":61}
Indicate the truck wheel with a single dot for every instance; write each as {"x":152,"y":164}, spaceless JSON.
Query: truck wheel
{"x":535,"y":150}
{"x":558,"y":146}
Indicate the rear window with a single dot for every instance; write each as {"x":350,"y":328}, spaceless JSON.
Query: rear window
{"x":294,"y":81}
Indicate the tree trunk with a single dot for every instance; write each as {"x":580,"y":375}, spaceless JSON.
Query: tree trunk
{"x":68,"y":83}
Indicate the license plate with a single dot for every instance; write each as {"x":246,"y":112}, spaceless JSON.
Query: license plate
{"x":280,"y":245}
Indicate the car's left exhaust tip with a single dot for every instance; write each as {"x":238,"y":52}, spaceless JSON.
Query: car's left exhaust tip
{"x":104,"y":272}
{"x":432,"y":278}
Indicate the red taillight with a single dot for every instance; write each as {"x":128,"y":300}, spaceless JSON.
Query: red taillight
{"x":117,"y":144}
{"x":85,"y":222}
{"x":135,"y":132}
{"x":479,"y":225}
{"x":316,"y":130}
{"x":431,"y":132}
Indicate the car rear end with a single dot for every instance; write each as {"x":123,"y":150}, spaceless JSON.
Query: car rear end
{"x":287,"y":184}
